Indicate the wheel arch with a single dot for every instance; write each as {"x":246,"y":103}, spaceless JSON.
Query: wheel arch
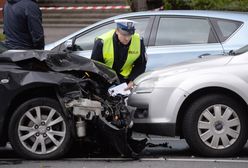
{"x":198,"y":93}
{"x":41,"y":91}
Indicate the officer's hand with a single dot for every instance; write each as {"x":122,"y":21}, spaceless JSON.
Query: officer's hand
{"x":130,"y":86}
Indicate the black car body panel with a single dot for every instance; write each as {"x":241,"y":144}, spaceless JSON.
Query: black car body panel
{"x":58,"y":62}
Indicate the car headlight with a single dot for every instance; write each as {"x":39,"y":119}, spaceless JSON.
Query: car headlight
{"x":145,"y":86}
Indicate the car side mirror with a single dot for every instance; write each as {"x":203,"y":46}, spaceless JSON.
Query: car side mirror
{"x":69,"y":44}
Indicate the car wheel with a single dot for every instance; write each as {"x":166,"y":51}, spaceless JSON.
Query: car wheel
{"x":39,"y":130}
{"x":215,"y":125}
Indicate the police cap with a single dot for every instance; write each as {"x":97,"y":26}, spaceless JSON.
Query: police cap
{"x":127,"y":26}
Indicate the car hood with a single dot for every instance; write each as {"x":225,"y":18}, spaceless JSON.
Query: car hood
{"x":58,"y":62}
{"x":191,"y":65}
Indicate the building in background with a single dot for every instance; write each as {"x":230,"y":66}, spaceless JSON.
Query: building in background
{"x":79,"y":13}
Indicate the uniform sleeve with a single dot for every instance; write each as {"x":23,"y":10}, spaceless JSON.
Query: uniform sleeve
{"x":140,"y":63}
{"x":97,"y":51}
{"x":34,"y":17}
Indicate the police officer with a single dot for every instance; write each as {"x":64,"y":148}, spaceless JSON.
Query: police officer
{"x":122,"y":50}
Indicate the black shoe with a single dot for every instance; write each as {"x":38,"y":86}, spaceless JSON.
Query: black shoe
{"x":136,"y":145}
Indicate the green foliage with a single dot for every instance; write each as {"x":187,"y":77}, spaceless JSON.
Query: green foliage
{"x":204,"y":4}
{"x":129,"y":2}
{"x":234,"y":5}
{"x":2,"y":37}
{"x":176,"y":4}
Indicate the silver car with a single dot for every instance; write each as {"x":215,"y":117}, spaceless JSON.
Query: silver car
{"x":170,"y":36}
{"x":203,"y":101}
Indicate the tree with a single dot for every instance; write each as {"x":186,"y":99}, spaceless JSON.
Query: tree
{"x":142,"y":5}
{"x":232,"y":5}
{"x":176,"y":4}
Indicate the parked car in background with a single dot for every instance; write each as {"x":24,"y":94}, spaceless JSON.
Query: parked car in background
{"x":203,"y":100}
{"x":170,"y":36}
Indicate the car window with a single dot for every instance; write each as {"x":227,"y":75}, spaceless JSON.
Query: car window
{"x":225,"y":28}
{"x":86,"y":41}
{"x":141,"y":25}
{"x":178,"y":31}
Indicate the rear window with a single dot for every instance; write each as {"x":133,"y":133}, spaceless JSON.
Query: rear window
{"x":225,"y":28}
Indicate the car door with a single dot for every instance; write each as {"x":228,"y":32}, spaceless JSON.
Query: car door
{"x":175,"y":39}
{"x":83,"y":43}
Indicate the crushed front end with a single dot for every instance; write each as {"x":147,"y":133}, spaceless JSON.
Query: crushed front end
{"x":104,"y":121}
{"x":96,"y":115}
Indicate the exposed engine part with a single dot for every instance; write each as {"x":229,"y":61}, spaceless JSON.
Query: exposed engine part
{"x":81,"y":128}
{"x":116,"y":112}
{"x":85,"y":108}
{"x":107,"y":115}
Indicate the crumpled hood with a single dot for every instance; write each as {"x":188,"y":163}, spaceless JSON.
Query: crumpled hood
{"x":191,"y":65}
{"x":59,"y":62}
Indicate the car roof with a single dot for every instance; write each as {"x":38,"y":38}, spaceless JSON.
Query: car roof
{"x":241,"y":16}
{"x":231,"y":15}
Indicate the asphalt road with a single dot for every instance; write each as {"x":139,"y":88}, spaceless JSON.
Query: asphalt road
{"x":176,"y":154}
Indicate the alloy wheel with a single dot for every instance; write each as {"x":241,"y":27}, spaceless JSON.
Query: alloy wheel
{"x":219,"y":126}
{"x":41,"y":130}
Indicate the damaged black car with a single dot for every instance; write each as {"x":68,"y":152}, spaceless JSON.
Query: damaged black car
{"x":50,"y":99}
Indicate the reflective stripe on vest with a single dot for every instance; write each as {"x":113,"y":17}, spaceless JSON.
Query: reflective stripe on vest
{"x":108,"y":52}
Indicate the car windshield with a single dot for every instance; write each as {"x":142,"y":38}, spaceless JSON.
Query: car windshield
{"x":239,"y":51}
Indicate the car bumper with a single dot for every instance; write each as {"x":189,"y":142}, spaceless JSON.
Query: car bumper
{"x":156,"y":112}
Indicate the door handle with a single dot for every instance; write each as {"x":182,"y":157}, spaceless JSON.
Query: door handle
{"x":203,"y":55}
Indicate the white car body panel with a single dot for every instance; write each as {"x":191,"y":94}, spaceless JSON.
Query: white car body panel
{"x":172,"y":85}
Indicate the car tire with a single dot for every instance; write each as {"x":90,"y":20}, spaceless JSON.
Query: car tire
{"x":40,"y":130}
{"x":215,"y":125}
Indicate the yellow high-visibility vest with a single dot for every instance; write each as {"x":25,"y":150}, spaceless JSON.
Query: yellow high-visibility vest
{"x":108,"y":52}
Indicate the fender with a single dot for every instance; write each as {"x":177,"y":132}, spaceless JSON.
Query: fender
{"x":230,"y":82}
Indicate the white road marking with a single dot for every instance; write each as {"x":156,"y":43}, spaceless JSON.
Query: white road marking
{"x":208,"y":160}
{"x":231,"y":160}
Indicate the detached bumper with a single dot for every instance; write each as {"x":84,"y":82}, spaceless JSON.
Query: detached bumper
{"x":117,"y":138}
